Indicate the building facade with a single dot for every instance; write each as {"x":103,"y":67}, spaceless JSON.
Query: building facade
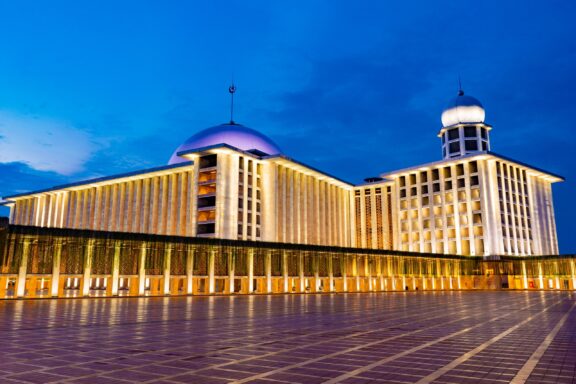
{"x":232,"y":182}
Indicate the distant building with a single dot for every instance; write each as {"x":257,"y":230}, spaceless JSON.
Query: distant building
{"x":232,"y":182}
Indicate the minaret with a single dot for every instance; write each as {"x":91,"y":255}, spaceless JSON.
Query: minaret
{"x":463,"y":130}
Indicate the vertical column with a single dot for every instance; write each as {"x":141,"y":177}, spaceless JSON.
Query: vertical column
{"x":250,"y":261}
{"x":380,"y":274}
{"x":301,"y":272}
{"x":231,"y":272}
{"x":268,"y":271}
{"x":211,"y":281}
{"x":357,"y":271}
{"x":190,"y":271}
{"x":167,"y":260}
{"x":330,"y":274}
{"x":116,"y":268}
{"x":315,"y":267}
{"x":343,"y":266}
{"x":573,"y":274}
{"x":285,"y":271}
{"x":368,"y":272}
{"x":524,"y":275}
{"x":142,"y":270}
{"x":541,"y":277}
{"x":56,"y":268}
{"x":21,"y":283}
{"x":3,"y":286}
{"x":87,"y":268}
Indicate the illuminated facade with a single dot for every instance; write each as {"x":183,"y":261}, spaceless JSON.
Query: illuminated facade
{"x":231,"y":182}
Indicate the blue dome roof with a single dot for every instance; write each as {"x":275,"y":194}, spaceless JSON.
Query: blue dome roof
{"x":236,"y":135}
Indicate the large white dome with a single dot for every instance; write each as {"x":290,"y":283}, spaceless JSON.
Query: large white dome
{"x":233,"y":134}
{"x":463,"y":109}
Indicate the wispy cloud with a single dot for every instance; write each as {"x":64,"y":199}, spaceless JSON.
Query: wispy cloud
{"x":44,"y":144}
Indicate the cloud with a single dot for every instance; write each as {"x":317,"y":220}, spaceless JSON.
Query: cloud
{"x":44,"y":144}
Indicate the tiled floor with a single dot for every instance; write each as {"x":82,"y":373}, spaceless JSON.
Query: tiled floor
{"x":451,"y":337}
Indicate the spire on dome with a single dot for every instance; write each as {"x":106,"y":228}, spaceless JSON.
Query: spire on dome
{"x":232,"y":90}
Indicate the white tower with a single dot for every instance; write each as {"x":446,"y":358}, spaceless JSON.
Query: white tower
{"x":463,"y":130}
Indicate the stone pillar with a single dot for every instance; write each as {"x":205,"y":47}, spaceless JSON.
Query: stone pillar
{"x":21,"y":282}
{"x":315,"y":267}
{"x":87,"y":268}
{"x":343,"y":266}
{"x":250,"y":261}
{"x":330,"y":274}
{"x":572,"y":271}
{"x":3,"y":286}
{"x":56,"y":268}
{"x":211,"y":280}
{"x":285,"y":271}
{"x":368,"y":273}
{"x":268,"y":271}
{"x":356,"y":267}
{"x":166,"y":277}
{"x":524,"y":275}
{"x":231,"y":272}
{"x":142,"y":270}
{"x":541,"y":276}
{"x":116,"y":268}
{"x":32,"y":286}
{"x":190,"y":272}
{"x":301,"y":273}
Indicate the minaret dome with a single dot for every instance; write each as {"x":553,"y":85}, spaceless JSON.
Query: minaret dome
{"x":463,"y":129}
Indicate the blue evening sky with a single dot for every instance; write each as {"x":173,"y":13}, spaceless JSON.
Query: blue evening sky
{"x":355,"y":88}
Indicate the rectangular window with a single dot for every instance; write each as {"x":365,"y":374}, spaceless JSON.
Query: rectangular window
{"x":459,"y":169}
{"x":471,"y":145}
{"x":473,"y":167}
{"x":470,"y":131}
{"x":474,"y":180}
{"x":453,"y":134}
{"x":484,"y":133}
{"x":454,"y":147}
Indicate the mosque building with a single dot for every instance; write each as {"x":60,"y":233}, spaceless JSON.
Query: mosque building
{"x":231,"y":213}
{"x":232,"y":182}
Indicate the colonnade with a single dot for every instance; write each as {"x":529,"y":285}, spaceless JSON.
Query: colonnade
{"x":68,"y":263}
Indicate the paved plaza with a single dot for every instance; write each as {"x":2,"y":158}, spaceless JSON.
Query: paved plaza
{"x":412,"y":337}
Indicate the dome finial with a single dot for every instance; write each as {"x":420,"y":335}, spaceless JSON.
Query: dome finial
{"x":460,"y":91}
{"x":232,"y":89}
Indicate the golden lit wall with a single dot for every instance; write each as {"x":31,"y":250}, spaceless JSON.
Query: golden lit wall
{"x":310,"y":209}
{"x":374,"y":224}
{"x":158,"y":203}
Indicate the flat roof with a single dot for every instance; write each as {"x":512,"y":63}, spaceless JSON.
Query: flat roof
{"x":103,"y":179}
{"x":266,"y":157}
{"x":469,"y":157}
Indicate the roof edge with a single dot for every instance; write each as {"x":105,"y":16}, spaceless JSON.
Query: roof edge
{"x":101,"y":179}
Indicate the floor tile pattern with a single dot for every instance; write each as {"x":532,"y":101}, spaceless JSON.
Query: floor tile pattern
{"x":408,"y":337}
